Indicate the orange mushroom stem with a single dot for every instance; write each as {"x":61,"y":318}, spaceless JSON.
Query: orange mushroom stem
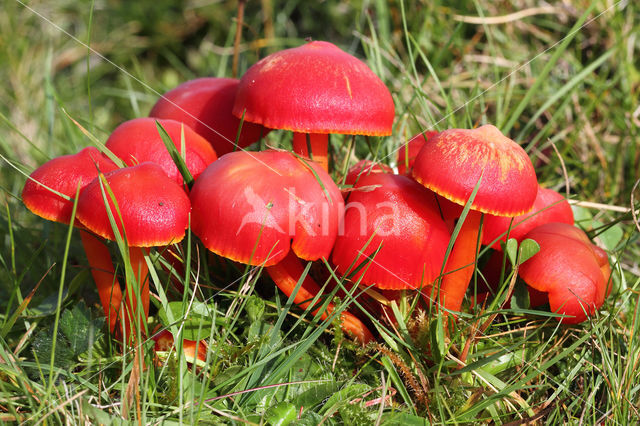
{"x":286,"y":275}
{"x":319,"y":144}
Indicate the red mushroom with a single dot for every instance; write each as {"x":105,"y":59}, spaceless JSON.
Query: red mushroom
{"x":313,"y":90}
{"x":570,"y":269}
{"x":549,"y":206}
{"x":270,"y":209}
{"x":451,"y":164}
{"x":397,"y":228}
{"x":65,"y":175}
{"x":205,"y":104}
{"x":137,"y":141}
{"x":152,"y":210}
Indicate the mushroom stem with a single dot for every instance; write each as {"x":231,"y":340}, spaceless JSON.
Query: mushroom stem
{"x":286,"y":274}
{"x":104,"y":275}
{"x":460,"y":264}
{"x":319,"y":143}
{"x":137,"y":302}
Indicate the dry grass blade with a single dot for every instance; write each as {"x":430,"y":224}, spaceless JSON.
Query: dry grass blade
{"x":516,"y":16}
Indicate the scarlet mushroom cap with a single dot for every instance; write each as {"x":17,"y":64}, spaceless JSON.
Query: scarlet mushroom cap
{"x":315,"y":88}
{"x":407,"y":154}
{"x":62,"y":174}
{"x":153,"y":209}
{"x":205,"y":105}
{"x":253,"y":206}
{"x":400,"y":220}
{"x":137,"y":141}
{"x":573,"y":271}
{"x":452,"y":163}
{"x":549,"y":206}
{"x":363,"y":168}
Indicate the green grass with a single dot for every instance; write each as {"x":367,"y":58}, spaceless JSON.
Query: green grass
{"x":567,"y":81}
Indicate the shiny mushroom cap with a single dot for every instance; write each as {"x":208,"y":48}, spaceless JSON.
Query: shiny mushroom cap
{"x":453,"y":161}
{"x":573,"y":271}
{"x":252,"y":207}
{"x":315,"y":88}
{"x":400,"y":220}
{"x":153,"y":209}
{"x":137,"y":141}
{"x":205,"y":104}
{"x":549,"y":206}
{"x":62,"y":174}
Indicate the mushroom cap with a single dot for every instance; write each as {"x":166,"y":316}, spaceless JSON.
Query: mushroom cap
{"x":137,"y":141}
{"x":154,"y":208}
{"x":569,"y":268}
{"x":205,"y":104}
{"x":453,"y":161}
{"x":401,"y":219}
{"x":62,"y":174}
{"x":408,"y":152}
{"x":315,"y":88}
{"x":549,"y":206}
{"x":252,"y":207}
{"x":363,"y":168}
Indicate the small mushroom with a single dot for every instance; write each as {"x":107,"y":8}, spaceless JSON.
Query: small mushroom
{"x":152,"y":210}
{"x":397,"y":229}
{"x":549,"y":206}
{"x":313,"y":90}
{"x":65,"y":175}
{"x":573,"y":272}
{"x":451,"y":164}
{"x":137,"y":141}
{"x":205,"y":104}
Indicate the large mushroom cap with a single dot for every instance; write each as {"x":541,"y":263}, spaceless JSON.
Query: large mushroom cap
{"x":549,"y":206}
{"x":205,"y":104}
{"x":137,"y":141}
{"x":568,"y":267}
{"x":400,"y":220}
{"x":315,"y":88}
{"x":253,"y":206}
{"x":62,"y":174}
{"x":452,"y":163}
{"x":154,"y":209}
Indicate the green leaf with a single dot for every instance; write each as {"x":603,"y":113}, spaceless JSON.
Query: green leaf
{"x":281,"y":414}
{"x":80,"y":329}
{"x":345,"y":396}
{"x":611,"y":236}
{"x":255,"y":308}
{"x":42,"y":346}
{"x":528,"y":248}
{"x":438,"y":345}
{"x":511,"y":248}
{"x":405,"y":419}
{"x":520,"y":297}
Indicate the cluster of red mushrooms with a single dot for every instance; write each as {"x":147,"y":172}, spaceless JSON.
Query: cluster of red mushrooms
{"x":276,"y":209}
